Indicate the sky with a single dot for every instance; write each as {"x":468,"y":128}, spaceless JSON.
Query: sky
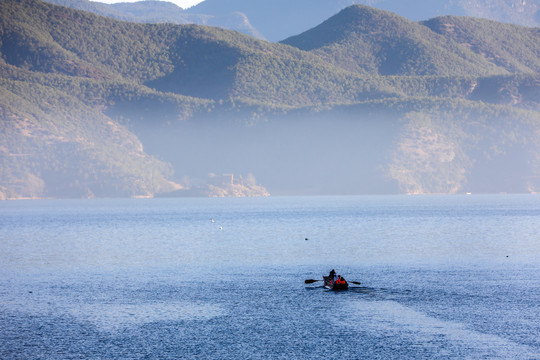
{"x":184,"y":4}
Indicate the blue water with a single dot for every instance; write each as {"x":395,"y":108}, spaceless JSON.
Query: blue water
{"x":442,"y":277}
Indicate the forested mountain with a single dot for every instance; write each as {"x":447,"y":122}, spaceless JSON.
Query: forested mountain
{"x":514,"y":48}
{"x":365,"y":40}
{"x":258,"y":18}
{"x":367,"y":102}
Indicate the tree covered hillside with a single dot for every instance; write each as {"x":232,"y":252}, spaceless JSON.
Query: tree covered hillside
{"x":367,"y":102}
{"x":367,"y":40}
{"x":515,"y":48}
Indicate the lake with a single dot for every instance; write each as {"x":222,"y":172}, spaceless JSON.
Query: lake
{"x":441,"y":277}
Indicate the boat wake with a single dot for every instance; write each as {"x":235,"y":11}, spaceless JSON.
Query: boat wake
{"x":396,"y":320}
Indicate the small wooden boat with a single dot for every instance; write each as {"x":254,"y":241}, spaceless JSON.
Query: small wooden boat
{"x":335,"y":285}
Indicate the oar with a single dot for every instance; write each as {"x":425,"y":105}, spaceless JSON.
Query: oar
{"x":354,"y":282}
{"x":311,"y":281}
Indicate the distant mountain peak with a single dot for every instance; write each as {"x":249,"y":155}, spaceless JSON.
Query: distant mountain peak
{"x":355,"y":19}
{"x":368,"y":40}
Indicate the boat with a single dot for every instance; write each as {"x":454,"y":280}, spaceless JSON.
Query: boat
{"x":335,"y":285}
{"x":331,"y":284}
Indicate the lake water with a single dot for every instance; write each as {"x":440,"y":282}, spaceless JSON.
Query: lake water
{"x":442,"y":277}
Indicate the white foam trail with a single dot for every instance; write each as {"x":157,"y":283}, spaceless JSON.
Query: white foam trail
{"x":392,"y":317}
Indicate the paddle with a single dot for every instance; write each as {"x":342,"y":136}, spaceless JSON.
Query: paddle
{"x":311,"y":281}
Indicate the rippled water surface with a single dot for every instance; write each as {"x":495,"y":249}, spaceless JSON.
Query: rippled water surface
{"x":442,"y":277}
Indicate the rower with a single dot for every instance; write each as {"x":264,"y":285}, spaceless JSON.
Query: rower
{"x":332,"y":275}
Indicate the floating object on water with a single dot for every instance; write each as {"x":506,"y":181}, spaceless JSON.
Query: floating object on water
{"x":336,"y":285}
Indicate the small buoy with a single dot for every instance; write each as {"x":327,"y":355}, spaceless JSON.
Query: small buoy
{"x":212,"y":220}
{"x":307,"y":239}
{"x":221,"y":228}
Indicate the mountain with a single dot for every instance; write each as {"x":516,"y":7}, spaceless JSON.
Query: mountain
{"x":255,"y":18}
{"x":93,"y":107}
{"x":155,"y":11}
{"x":363,"y":39}
{"x":54,"y":145}
{"x":515,"y":48}
{"x":282,"y":12}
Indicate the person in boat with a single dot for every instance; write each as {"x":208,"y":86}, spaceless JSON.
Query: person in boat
{"x":340,"y":280}
{"x":332,"y":275}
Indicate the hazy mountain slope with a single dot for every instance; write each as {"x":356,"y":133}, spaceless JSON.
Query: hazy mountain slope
{"x":98,"y":8}
{"x":422,"y":145}
{"x":153,"y":11}
{"x":510,"y":11}
{"x":236,"y":21}
{"x":69,"y":149}
{"x":367,"y":40}
{"x":526,"y":13}
{"x":278,"y":19}
{"x":520,"y":90}
{"x":512,"y":47}
{"x":162,"y":12}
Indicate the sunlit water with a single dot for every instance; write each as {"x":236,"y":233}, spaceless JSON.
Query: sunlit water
{"x":442,"y":277}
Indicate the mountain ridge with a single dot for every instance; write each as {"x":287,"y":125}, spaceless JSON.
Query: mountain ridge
{"x":315,"y":12}
{"x":374,"y":32}
{"x":243,"y":16}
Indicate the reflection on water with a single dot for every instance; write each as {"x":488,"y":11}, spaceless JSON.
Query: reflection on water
{"x":112,"y":317}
